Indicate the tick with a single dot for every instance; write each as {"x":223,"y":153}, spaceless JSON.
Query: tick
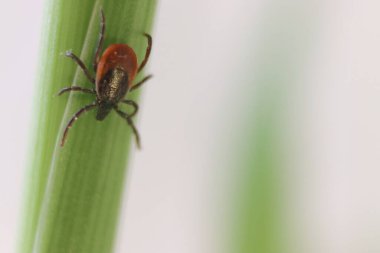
{"x":115,"y":71}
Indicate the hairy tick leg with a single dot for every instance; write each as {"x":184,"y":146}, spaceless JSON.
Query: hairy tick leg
{"x":138,"y":85}
{"x":134,"y":105}
{"x":81,"y":65}
{"x":147,"y":53}
{"x":100,"y":40}
{"x":74,"y":118}
{"x":131,"y":124}
{"x":76,"y":88}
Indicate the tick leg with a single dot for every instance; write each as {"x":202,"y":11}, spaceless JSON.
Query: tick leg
{"x":147,"y":53}
{"x":100,"y":41}
{"x":138,"y":85}
{"x":81,"y":65}
{"x":76,"y":88}
{"x":74,"y":118}
{"x":131,"y":124}
{"x":134,"y":105}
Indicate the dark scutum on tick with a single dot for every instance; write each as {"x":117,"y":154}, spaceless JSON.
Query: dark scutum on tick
{"x":115,"y":71}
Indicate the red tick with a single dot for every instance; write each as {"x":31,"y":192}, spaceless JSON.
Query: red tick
{"x":115,"y":72}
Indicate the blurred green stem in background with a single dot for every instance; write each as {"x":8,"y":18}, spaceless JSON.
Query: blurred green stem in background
{"x":260,"y":204}
{"x":73,"y":194}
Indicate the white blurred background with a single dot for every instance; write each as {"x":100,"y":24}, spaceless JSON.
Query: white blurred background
{"x":201,"y":61}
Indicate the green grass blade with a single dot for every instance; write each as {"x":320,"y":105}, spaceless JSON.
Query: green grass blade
{"x":74,"y":192}
{"x":260,"y":203}
{"x":62,"y":30}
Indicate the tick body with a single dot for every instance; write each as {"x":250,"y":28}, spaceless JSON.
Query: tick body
{"x":115,"y":72}
{"x":116,"y":69}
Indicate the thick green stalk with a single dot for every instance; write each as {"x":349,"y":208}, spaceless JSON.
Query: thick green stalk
{"x":260,"y":203}
{"x":74,"y":193}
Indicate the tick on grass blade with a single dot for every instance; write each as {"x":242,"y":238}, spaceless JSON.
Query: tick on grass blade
{"x":115,"y":71}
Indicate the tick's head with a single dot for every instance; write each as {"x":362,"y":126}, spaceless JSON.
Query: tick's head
{"x":103,"y":110}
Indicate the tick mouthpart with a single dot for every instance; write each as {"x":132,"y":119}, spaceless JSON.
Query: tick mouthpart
{"x":103,"y":110}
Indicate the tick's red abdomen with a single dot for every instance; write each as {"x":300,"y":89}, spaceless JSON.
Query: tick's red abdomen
{"x":117,"y":56}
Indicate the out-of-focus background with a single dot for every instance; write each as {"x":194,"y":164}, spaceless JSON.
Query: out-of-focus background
{"x":260,"y":129}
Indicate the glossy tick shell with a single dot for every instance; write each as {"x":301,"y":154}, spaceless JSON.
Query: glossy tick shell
{"x":115,"y":73}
